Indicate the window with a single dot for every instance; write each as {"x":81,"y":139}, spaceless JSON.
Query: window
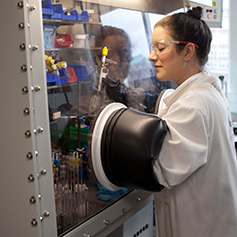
{"x":132,"y":23}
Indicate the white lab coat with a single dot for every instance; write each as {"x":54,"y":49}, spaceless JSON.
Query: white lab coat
{"x":197,"y":163}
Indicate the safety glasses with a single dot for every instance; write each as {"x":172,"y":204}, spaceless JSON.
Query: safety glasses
{"x":162,"y":46}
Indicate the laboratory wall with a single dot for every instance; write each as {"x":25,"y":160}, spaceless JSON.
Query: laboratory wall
{"x":232,"y":84}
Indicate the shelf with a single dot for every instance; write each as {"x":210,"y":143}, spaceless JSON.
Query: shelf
{"x":74,"y":49}
{"x":69,"y":85}
{"x":58,"y":22}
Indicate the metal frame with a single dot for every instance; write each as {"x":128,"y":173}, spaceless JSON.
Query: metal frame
{"x":153,"y":6}
{"x":27,"y":195}
{"x":114,"y":216}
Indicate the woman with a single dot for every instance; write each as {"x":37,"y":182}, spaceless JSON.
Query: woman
{"x":197,"y":162}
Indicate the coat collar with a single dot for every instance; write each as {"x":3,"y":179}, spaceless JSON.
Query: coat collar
{"x":202,"y":77}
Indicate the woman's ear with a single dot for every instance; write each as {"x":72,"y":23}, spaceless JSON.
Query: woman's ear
{"x":189,"y":51}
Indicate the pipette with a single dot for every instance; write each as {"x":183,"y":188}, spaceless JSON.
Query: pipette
{"x":104,"y":69}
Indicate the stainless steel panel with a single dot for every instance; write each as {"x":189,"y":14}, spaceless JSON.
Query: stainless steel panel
{"x":21,"y":207}
{"x":114,"y":216}
{"x":152,"y":6}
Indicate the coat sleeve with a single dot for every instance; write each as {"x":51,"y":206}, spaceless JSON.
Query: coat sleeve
{"x":185,"y":146}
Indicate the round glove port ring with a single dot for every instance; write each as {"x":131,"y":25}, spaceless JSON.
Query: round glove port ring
{"x":96,"y":145}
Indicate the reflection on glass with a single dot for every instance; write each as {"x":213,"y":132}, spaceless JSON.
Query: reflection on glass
{"x":74,"y":67}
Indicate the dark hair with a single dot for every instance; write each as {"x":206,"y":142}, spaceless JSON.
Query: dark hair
{"x":189,"y":27}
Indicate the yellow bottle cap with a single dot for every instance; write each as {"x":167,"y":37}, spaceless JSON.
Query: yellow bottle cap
{"x":105,"y":51}
{"x":50,"y":61}
{"x":62,"y":65}
{"x":53,"y":67}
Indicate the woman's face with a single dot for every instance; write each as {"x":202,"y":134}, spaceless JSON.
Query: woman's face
{"x":168,"y":63}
